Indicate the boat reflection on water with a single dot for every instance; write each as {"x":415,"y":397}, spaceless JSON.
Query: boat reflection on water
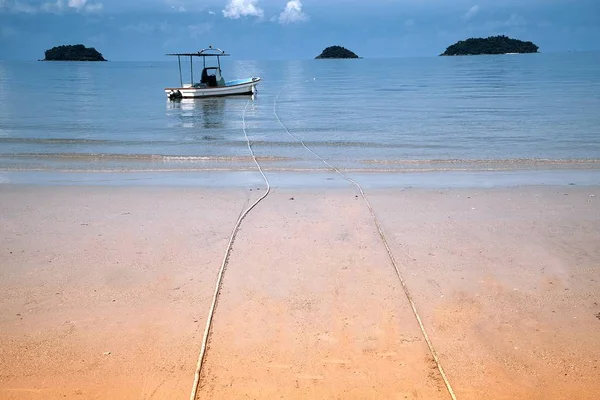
{"x":207,"y":113}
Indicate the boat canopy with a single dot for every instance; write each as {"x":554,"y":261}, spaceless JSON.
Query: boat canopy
{"x":210,"y":52}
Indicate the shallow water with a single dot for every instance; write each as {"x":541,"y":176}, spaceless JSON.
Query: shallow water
{"x":418,"y":116}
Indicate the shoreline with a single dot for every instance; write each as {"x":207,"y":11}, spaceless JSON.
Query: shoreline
{"x":105,"y":289}
{"x":308,"y":179}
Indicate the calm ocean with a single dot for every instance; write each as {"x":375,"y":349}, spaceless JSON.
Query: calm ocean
{"x":509,"y":119}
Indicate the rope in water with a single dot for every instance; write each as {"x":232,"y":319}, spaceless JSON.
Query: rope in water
{"x":385,"y":243}
{"x":224,"y":263}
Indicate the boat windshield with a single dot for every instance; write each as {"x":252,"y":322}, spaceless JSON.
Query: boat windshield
{"x":211,"y":77}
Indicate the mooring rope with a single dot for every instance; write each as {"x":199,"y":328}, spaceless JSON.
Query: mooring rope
{"x":385,"y":243}
{"x":224,"y":263}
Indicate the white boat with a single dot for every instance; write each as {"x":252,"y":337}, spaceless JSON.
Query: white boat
{"x":211,"y":82}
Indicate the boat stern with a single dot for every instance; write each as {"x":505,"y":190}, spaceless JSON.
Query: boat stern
{"x":173,"y":94}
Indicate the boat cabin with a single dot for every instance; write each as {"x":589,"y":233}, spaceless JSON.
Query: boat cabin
{"x":211,"y":77}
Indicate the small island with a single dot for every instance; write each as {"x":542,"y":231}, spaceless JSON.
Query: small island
{"x":76,"y":52}
{"x":492,"y":45}
{"x":336,"y":52}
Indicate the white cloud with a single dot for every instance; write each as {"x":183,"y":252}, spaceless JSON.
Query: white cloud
{"x":29,"y":7}
{"x":52,"y":7}
{"x":473,"y":11}
{"x":243,"y":8}
{"x":92,"y":8}
{"x":292,"y":13}
{"x":177,"y":5}
{"x":211,"y":12}
{"x":78,"y":4}
{"x":20,"y":7}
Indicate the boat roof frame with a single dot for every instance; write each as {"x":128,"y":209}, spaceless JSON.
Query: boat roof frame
{"x":202,"y":53}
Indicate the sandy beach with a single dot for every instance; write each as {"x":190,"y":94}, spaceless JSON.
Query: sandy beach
{"x":104,"y":293}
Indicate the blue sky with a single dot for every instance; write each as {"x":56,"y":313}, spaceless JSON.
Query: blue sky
{"x":289,"y":29}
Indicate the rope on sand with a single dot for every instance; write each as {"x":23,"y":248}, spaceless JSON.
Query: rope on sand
{"x":385,"y":243}
{"x":224,"y":264}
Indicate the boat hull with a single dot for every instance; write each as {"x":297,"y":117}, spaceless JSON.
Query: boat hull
{"x":231,"y":88}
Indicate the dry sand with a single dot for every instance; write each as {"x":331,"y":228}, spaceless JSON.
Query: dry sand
{"x":87,"y":271}
{"x":104,"y":293}
{"x":508,"y":282}
{"x":311,"y":308}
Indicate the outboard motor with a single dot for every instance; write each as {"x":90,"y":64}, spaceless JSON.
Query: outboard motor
{"x":175,"y":95}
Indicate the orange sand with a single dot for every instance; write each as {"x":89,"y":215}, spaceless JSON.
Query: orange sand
{"x":104,"y":293}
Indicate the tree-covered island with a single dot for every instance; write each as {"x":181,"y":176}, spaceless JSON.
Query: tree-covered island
{"x":492,"y":45}
{"x":76,"y":52}
{"x":336,"y":52}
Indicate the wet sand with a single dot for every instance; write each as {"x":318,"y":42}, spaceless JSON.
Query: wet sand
{"x":104,"y":293}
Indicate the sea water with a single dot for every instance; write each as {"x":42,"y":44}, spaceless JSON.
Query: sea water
{"x":442,"y":121}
